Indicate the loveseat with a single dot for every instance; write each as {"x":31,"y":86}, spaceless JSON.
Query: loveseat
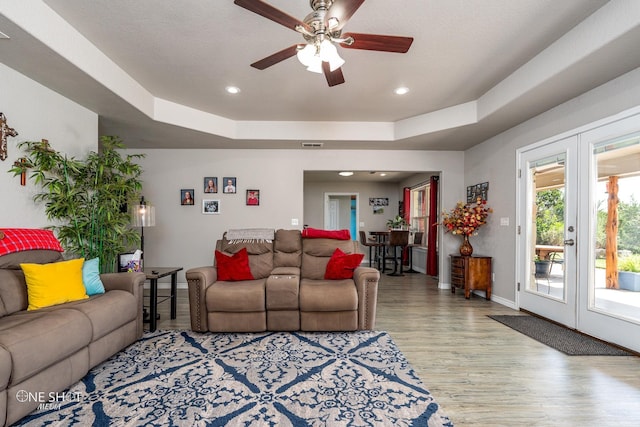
{"x":46,"y":350}
{"x":288,"y":290}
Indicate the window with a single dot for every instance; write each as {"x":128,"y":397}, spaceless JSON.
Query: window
{"x":419,"y":208}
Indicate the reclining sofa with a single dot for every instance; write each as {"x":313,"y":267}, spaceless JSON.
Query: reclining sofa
{"x":288,"y":291}
{"x":44,"y":351}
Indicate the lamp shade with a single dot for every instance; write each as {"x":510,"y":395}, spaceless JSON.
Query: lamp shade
{"x":144,"y":215}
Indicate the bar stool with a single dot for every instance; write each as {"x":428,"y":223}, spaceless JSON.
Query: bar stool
{"x":398,"y":239}
{"x":417,"y":241}
{"x":370,"y":244}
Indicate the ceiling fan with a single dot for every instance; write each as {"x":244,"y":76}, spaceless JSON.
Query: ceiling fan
{"x":322,"y":30}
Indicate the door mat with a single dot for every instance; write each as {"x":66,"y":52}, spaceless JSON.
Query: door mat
{"x":563,"y":339}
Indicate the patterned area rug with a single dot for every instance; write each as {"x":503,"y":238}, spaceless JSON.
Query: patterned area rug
{"x":183,"y":378}
{"x":563,"y":339}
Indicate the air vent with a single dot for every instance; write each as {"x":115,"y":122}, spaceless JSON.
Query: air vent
{"x":312,"y":144}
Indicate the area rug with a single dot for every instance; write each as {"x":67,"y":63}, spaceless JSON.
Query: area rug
{"x":183,"y":378}
{"x":563,"y":339}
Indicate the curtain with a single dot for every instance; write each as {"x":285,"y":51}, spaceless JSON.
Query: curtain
{"x":432,"y":228}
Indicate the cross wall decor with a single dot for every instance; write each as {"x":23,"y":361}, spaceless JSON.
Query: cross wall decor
{"x":6,"y":132}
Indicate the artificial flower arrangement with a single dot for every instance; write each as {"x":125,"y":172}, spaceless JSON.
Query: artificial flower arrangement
{"x":466,"y":219}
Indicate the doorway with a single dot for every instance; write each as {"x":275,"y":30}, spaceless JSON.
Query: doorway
{"x":341,"y":212}
{"x":579,"y":228}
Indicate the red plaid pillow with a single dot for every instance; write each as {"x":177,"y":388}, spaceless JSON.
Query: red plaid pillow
{"x":25,"y":239}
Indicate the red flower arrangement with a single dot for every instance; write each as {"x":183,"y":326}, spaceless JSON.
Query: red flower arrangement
{"x":466,"y":219}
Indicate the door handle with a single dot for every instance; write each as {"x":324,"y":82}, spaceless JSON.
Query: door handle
{"x":569,"y":242}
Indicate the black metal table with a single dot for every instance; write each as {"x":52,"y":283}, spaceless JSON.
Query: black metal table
{"x":153,"y":274}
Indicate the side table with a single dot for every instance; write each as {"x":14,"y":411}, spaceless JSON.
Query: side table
{"x":153,"y":274}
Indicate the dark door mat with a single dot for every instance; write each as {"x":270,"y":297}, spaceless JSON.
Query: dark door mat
{"x":559,"y":337}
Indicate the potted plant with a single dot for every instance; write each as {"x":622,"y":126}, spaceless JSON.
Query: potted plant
{"x":397,"y":223}
{"x":86,"y":199}
{"x":543,"y":267}
{"x":629,"y":273}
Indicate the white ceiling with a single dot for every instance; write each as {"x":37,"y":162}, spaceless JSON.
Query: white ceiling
{"x":155,"y":72}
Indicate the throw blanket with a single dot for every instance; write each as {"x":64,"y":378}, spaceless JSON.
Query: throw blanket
{"x":250,"y":235}
{"x":25,"y":239}
{"x":314,"y":233}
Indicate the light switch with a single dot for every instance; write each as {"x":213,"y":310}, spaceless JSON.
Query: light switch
{"x":294,"y":221}
{"x":504,"y":221}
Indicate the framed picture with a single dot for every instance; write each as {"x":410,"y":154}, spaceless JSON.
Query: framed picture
{"x":253,"y":197}
{"x":186,"y":197}
{"x":479,"y":190}
{"x":210,"y":184}
{"x":229,"y":184}
{"x":210,"y":207}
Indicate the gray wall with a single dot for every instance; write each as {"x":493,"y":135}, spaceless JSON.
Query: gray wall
{"x":495,"y":161}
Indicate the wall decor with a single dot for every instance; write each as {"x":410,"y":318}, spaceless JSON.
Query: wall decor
{"x":186,"y":197}
{"x":253,"y":197}
{"x":210,"y":207}
{"x":479,"y":190}
{"x":229,"y":185}
{"x":22,"y":164}
{"x":378,"y":201}
{"x":6,"y":131}
{"x":378,"y":210}
{"x":210,"y":184}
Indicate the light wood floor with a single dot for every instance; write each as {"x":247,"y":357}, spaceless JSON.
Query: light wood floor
{"x":483,"y":373}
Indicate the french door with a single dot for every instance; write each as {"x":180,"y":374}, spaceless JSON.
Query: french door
{"x":547,"y":244}
{"x":579,"y":231}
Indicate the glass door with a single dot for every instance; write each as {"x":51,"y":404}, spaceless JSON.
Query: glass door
{"x":610,"y":306}
{"x":547,"y":231}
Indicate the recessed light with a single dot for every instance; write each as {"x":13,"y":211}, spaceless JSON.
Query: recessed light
{"x":345,"y":173}
{"x":401,"y":90}
{"x":232,"y":90}
{"x":383,"y":174}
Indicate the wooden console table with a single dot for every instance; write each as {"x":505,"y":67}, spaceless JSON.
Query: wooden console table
{"x":153,"y":274}
{"x":471,"y":273}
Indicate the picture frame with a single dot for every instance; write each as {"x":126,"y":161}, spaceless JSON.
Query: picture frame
{"x":210,"y":184}
{"x":479,"y":190}
{"x":187,"y":197}
{"x":253,"y":198}
{"x":211,"y":206}
{"x":229,"y":185}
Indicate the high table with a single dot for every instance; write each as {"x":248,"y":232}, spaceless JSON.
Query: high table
{"x":153,"y":274}
{"x":381,"y":237}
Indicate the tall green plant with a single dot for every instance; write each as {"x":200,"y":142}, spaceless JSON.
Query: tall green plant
{"x":87,"y":199}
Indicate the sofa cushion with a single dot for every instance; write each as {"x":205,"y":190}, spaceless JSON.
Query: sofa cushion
{"x":316,"y":254}
{"x":91,"y":277}
{"x":244,"y":296}
{"x":260,"y":255}
{"x":54,"y":283}
{"x":233,"y":267}
{"x":108,"y":311}
{"x":38,"y":339}
{"x":287,"y":249}
{"x":36,"y":256}
{"x":328,"y":295}
{"x":341,"y":265}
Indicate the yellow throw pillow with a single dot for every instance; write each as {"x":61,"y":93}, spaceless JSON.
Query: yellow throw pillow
{"x":55,"y":283}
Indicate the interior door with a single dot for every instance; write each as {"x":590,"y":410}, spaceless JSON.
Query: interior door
{"x":547,"y":230}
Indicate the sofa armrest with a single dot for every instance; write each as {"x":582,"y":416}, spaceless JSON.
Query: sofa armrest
{"x":366,"y":280}
{"x":198,"y":280}
{"x":129,"y":282}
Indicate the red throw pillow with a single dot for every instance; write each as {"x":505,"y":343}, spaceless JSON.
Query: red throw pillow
{"x":235,"y":267}
{"x":316,"y":233}
{"x":341,"y":265}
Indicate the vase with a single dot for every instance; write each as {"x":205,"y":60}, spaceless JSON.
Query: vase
{"x":465,"y":248}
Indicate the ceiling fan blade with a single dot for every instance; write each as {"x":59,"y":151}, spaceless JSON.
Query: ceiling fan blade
{"x":334,"y":77}
{"x":270,"y":60}
{"x":343,"y":10}
{"x":378,"y":42}
{"x":270,"y":12}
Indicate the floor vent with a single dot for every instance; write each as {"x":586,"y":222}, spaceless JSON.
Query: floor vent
{"x":312,"y":144}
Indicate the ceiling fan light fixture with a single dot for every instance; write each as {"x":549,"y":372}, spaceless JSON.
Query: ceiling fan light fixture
{"x":316,"y":65}
{"x":329,"y":53}
{"x":306,"y":54}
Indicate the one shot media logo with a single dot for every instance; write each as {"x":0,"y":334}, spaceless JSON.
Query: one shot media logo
{"x":48,"y":400}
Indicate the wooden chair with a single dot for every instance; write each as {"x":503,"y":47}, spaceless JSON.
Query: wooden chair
{"x":417,"y":241}
{"x":398,"y":239}
{"x":370,"y":244}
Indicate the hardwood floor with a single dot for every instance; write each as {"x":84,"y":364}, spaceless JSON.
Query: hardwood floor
{"x":485,"y":374}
